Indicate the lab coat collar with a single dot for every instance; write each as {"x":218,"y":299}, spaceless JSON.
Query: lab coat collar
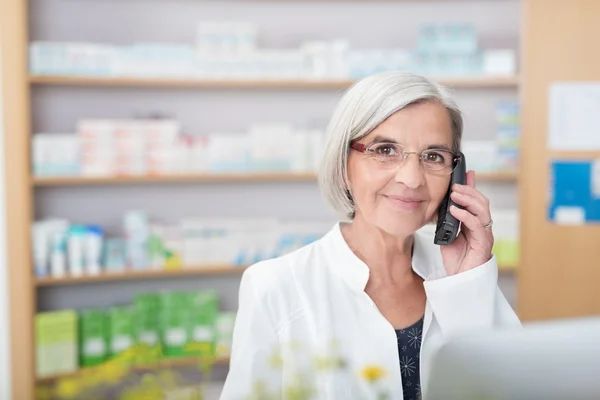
{"x":356,"y":273}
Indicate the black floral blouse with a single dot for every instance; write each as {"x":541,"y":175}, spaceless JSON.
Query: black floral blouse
{"x":409,"y":347}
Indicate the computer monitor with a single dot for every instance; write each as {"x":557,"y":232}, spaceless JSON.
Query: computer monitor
{"x":544,"y":361}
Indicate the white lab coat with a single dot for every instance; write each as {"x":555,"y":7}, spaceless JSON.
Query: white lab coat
{"x":311,"y":303}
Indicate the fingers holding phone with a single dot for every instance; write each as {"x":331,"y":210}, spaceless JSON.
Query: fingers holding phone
{"x":475,"y":217}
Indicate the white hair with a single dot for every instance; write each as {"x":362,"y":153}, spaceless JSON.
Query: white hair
{"x":365,"y":105}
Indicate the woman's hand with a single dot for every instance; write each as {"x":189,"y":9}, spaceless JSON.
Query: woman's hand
{"x":473,"y":245}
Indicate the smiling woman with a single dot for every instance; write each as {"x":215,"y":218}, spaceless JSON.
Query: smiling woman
{"x":375,"y":291}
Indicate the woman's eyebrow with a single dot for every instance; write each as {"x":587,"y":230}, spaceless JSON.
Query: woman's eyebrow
{"x":438,"y":147}
{"x":383,"y":139}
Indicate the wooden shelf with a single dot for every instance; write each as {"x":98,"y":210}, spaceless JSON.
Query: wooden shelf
{"x":240,"y":177}
{"x":508,"y":269}
{"x":506,"y":176}
{"x":139,"y":275}
{"x":160,"y":274}
{"x":473,"y":82}
{"x":166,"y":363}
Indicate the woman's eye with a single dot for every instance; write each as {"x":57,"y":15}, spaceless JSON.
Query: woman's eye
{"x":387,"y":150}
{"x":434,"y":158}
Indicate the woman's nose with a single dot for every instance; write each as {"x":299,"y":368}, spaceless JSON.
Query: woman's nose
{"x":410,"y":172}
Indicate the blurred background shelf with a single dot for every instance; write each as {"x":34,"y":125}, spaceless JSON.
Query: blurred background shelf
{"x":167,"y":363}
{"x":161,"y":274}
{"x":471,"y":82}
{"x":237,"y":177}
{"x":146,"y":274}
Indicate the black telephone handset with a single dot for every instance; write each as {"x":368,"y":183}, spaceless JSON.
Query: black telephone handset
{"x":447,"y":224}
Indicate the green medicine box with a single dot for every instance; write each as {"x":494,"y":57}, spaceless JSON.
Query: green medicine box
{"x":121,"y":335}
{"x":93,"y":337}
{"x":204,"y":308}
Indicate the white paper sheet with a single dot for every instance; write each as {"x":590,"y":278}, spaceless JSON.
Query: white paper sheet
{"x":574,"y":116}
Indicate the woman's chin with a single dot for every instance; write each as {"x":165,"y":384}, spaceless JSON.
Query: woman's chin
{"x":399,"y":226}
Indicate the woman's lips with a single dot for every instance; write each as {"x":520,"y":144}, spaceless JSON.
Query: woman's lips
{"x":405,"y":203}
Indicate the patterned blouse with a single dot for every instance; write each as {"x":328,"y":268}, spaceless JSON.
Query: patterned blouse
{"x":409,"y":347}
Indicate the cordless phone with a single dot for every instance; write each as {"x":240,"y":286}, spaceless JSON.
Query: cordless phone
{"x":447,"y":225}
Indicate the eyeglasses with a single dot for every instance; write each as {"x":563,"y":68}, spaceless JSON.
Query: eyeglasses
{"x":392,"y":155}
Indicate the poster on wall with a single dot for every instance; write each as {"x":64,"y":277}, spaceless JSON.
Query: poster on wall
{"x":574,"y":116}
{"x":575,"y":192}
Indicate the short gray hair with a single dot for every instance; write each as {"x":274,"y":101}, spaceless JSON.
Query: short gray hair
{"x":365,"y":105}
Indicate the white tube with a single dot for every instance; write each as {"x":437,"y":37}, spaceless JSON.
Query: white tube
{"x":93,"y":249}
{"x":75,"y":248}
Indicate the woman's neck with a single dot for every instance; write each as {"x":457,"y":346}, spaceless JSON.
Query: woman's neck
{"x":388,"y":257}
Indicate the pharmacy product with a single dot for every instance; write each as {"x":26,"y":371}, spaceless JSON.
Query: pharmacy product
{"x":41,"y":248}
{"x":175,"y":322}
{"x":173,"y":247}
{"x":55,"y":154}
{"x":75,"y":244}
{"x":56,"y":343}
{"x":97,"y":140}
{"x":156,"y":247}
{"x":129,"y":148}
{"x":228,"y":152}
{"x":482,"y":154}
{"x":136,"y":235}
{"x":93,"y":337}
{"x":121,"y":334}
{"x":204,"y":305}
{"x":93,"y":249}
{"x":58,"y":255}
{"x":224,"y":333}
{"x":146,"y":308}
{"x":115,"y":255}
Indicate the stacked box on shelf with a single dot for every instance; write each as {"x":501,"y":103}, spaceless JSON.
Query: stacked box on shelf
{"x":157,"y":148}
{"x":224,"y":333}
{"x":121,"y":337}
{"x":481,"y":155}
{"x":163,"y":149}
{"x":508,"y":135}
{"x":175,"y":321}
{"x":506,"y":237}
{"x":188,"y":320}
{"x":204,"y":307}
{"x":448,"y":50}
{"x":147,"y":311}
{"x":93,"y":337}
{"x":61,"y":249}
{"x":56,"y":339}
{"x":57,"y":58}
{"x":55,"y":154}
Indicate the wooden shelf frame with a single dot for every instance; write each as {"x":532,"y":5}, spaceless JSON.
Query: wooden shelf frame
{"x":14,"y":41}
{"x":458,"y":82}
{"x":237,"y":177}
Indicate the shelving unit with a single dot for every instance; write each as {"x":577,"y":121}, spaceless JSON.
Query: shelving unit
{"x":239,"y":177}
{"x":465,"y":82}
{"x":30,"y":104}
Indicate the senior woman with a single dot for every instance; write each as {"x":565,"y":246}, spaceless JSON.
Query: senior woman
{"x":375,"y":290}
